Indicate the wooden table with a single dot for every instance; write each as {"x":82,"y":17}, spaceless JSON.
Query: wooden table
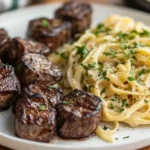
{"x":114,"y":2}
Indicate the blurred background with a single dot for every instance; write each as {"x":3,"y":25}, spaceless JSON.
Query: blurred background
{"x":6,"y":5}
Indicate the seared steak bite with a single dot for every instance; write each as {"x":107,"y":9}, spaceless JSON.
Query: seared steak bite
{"x":79,"y":115}
{"x":78,"y":13}
{"x":35,"y":67}
{"x":4,"y":41}
{"x":52,"y":92}
{"x":35,"y":117}
{"x":51,"y":32}
{"x":9,"y":86}
{"x":18,"y":47}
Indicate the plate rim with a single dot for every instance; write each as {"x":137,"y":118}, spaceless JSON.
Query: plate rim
{"x":49,"y":145}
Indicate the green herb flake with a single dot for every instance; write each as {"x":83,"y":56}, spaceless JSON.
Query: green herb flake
{"x":131,"y":78}
{"x":145,"y":33}
{"x":121,"y":110}
{"x":111,"y":53}
{"x":82,"y":50}
{"x":64,"y":56}
{"x":142,"y":71}
{"x":134,"y":32}
{"x":123,"y":102}
{"x":89,"y":88}
{"x":146,"y":101}
{"x":105,"y":127}
{"x":116,"y":139}
{"x":111,"y":106}
{"x":103,"y":91}
{"x":126,"y":137}
{"x":112,"y":99}
{"x":123,"y":46}
{"x":45,"y":23}
{"x":101,"y":29}
{"x":122,"y":36}
{"x":42,"y":107}
{"x":94,"y":65}
{"x":103,"y":75}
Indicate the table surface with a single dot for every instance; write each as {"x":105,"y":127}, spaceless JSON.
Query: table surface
{"x":114,"y":2}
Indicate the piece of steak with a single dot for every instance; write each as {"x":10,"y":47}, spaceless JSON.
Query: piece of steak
{"x":35,"y":114}
{"x":51,"y":32}
{"x":78,"y":13}
{"x":9,"y":86}
{"x":18,"y":47}
{"x":36,"y":67}
{"x":4,"y":42}
{"x":79,"y":115}
{"x":35,"y":119}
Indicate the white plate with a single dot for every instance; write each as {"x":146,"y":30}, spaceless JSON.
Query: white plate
{"x":16,"y":23}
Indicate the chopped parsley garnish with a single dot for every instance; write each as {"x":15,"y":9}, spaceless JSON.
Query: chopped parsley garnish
{"x":85,"y":68}
{"x":134,"y":32}
{"x":42,"y":107}
{"x":142,"y":71}
{"x":112,"y":99}
{"x":55,"y":86}
{"x":136,"y":45}
{"x":126,"y":137}
{"x":128,"y":50}
{"x":63,"y":55}
{"x":89,"y":88}
{"x":130,"y":78}
{"x":129,"y":54}
{"x":116,"y":97}
{"x":45,"y":23}
{"x":121,"y":110}
{"x":105,"y":127}
{"x":145,"y":33}
{"x":123,"y":45}
{"x":94,"y":65}
{"x":111,"y":53}
{"x":146,"y":101}
{"x":122,"y":36}
{"x":111,"y":106}
{"x":123,"y":102}
{"x":103,"y":75}
{"x":100,"y":29}
{"x":82,"y":50}
{"x":103,"y":91}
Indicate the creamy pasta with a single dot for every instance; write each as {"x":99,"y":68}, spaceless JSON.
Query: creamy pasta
{"x":111,"y":61}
